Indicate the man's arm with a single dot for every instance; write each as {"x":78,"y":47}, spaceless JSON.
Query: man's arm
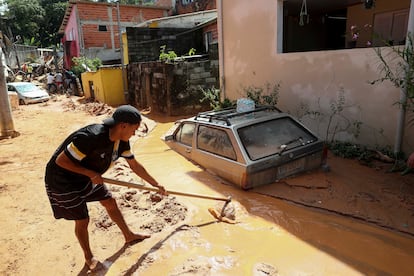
{"x":65,"y":162}
{"x":142,"y":172}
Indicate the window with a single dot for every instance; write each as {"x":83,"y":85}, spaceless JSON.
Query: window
{"x":208,"y":38}
{"x":317,"y":25}
{"x":215,"y":141}
{"x":390,"y":27}
{"x":70,"y":35}
{"x":314,"y":28}
{"x":102,"y":28}
{"x":185,"y":134}
{"x":273,"y":137}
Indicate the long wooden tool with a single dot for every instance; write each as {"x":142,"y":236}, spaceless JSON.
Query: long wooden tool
{"x":142,"y":187}
{"x":221,"y":216}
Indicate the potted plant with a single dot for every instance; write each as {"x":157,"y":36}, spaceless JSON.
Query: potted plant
{"x":355,"y":34}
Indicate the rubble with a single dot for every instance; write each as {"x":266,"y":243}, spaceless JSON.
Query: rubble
{"x":89,"y":106}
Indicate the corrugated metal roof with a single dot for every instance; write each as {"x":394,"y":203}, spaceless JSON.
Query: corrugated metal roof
{"x":188,"y":20}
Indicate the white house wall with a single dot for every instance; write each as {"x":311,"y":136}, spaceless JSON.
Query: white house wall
{"x":309,"y":81}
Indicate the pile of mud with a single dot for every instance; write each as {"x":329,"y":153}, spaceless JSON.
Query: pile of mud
{"x":156,"y":212}
{"x":89,"y":106}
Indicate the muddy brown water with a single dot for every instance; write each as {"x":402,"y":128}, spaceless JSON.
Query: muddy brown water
{"x":272,"y":237}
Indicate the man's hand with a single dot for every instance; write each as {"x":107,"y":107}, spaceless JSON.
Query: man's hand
{"x":161,"y":190}
{"x":97,"y":179}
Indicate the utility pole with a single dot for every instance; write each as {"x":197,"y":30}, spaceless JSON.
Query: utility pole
{"x":121,"y":48}
{"x":403,"y":92}
{"x":6,"y":119}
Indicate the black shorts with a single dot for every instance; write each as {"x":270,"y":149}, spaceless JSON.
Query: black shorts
{"x":71,"y":205}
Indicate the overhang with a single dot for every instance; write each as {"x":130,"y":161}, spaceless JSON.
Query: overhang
{"x":188,"y":20}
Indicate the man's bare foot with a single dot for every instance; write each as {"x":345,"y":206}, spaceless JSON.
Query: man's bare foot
{"x":135,"y":238}
{"x":93,"y":265}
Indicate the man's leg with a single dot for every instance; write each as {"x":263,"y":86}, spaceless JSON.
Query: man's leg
{"x":81,"y":231}
{"x":116,"y":216}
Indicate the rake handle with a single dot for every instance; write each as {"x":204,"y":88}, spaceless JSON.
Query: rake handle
{"x":142,"y":187}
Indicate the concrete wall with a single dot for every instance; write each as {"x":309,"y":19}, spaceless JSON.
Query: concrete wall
{"x":310,"y":82}
{"x":24,"y":53}
{"x":144,"y":43}
{"x":172,"y":89}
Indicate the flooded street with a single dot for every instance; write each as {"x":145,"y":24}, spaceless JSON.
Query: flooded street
{"x":272,"y":237}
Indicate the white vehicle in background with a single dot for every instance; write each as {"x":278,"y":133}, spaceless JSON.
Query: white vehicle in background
{"x":28,"y":92}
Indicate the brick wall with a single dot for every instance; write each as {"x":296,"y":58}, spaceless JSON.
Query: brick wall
{"x":213,"y":29}
{"x":91,"y":15}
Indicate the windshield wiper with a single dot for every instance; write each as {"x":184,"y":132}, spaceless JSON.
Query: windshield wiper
{"x":283,"y":147}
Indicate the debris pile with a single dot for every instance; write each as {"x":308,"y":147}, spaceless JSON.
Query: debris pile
{"x":89,"y":106}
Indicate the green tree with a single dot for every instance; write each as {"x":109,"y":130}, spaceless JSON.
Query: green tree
{"x":81,"y":63}
{"x":23,"y":17}
{"x":34,"y":22}
{"x":54,"y":13}
{"x":3,"y":6}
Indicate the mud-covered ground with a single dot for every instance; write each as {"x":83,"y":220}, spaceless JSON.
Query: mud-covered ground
{"x":33,"y":243}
